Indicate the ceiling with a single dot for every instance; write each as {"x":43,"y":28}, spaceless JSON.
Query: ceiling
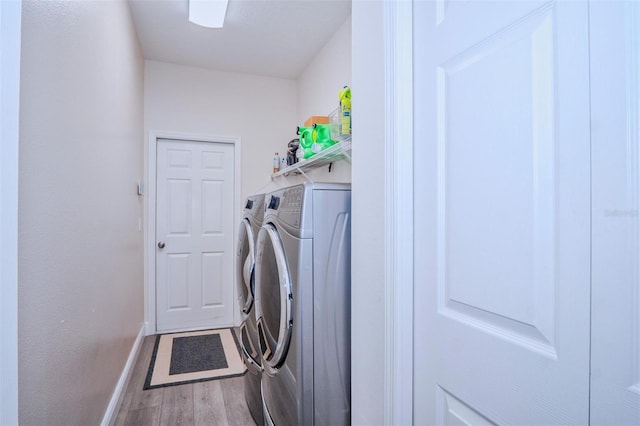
{"x":276,"y":38}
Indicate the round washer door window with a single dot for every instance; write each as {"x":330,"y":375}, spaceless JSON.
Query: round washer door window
{"x":274,"y":299}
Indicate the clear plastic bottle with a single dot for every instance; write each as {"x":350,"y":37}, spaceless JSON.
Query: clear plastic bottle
{"x":276,"y":163}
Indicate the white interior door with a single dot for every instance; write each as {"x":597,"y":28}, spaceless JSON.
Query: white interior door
{"x":502,"y":220}
{"x":194,"y":232}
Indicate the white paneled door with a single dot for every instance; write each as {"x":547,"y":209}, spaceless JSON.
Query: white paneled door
{"x":502,"y":219}
{"x":194,"y":233}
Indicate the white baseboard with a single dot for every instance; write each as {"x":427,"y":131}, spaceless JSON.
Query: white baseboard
{"x":120,"y":386}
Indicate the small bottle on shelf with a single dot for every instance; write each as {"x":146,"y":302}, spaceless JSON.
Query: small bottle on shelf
{"x":276,"y":163}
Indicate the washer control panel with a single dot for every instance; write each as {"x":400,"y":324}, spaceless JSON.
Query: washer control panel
{"x":254,"y":206}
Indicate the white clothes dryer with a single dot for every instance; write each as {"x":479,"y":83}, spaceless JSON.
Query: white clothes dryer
{"x":303,"y":280}
{"x":245,"y":278}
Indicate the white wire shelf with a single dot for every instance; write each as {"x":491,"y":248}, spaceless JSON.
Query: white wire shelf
{"x":339,"y":151}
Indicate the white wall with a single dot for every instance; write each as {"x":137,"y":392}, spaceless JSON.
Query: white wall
{"x":368,"y":208}
{"x":260,"y":110}
{"x":263,"y":111}
{"x":330,"y":69}
{"x":9,"y":105}
{"x":318,"y":87}
{"x":80,"y":250}
{"x":317,"y":94}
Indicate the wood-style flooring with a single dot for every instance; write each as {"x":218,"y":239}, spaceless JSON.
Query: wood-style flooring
{"x":215,"y":402}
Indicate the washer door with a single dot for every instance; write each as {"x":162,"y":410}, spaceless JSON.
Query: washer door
{"x":245,"y":265}
{"x":248,"y":343}
{"x":274,"y":299}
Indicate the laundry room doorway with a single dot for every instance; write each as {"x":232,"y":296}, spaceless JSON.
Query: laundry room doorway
{"x":193,"y":194}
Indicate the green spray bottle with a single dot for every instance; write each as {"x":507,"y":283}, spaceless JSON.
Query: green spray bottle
{"x":344,"y":95}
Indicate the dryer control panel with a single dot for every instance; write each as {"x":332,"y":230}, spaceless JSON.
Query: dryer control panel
{"x":292,"y":199}
{"x":295,"y":209}
{"x":288,"y":205}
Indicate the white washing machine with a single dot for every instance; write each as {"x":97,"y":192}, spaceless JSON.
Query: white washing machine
{"x":303,"y":287}
{"x":245,"y":278}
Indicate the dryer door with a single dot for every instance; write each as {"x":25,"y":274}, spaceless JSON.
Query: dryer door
{"x":245,"y":261}
{"x":274,"y":299}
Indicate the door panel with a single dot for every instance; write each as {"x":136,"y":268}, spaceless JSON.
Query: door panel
{"x":212,"y":199}
{"x":178,"y":273}
{"x":194,"y":220}
{"x":475,"y":235}
{"x":179,"y":206}
{"x":212,"y":272}
{"x":502,"y":206}
{"x":452,"y":411}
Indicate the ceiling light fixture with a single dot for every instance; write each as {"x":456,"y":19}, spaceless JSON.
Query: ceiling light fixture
{"x":208,"y":13}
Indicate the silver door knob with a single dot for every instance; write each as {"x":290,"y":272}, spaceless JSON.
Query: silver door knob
{"x":160,"y":245}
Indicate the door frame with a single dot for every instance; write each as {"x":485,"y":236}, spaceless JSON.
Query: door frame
{"x":150,"y":206}
{"x":10,"y":37}
{"x":399,"y":217}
